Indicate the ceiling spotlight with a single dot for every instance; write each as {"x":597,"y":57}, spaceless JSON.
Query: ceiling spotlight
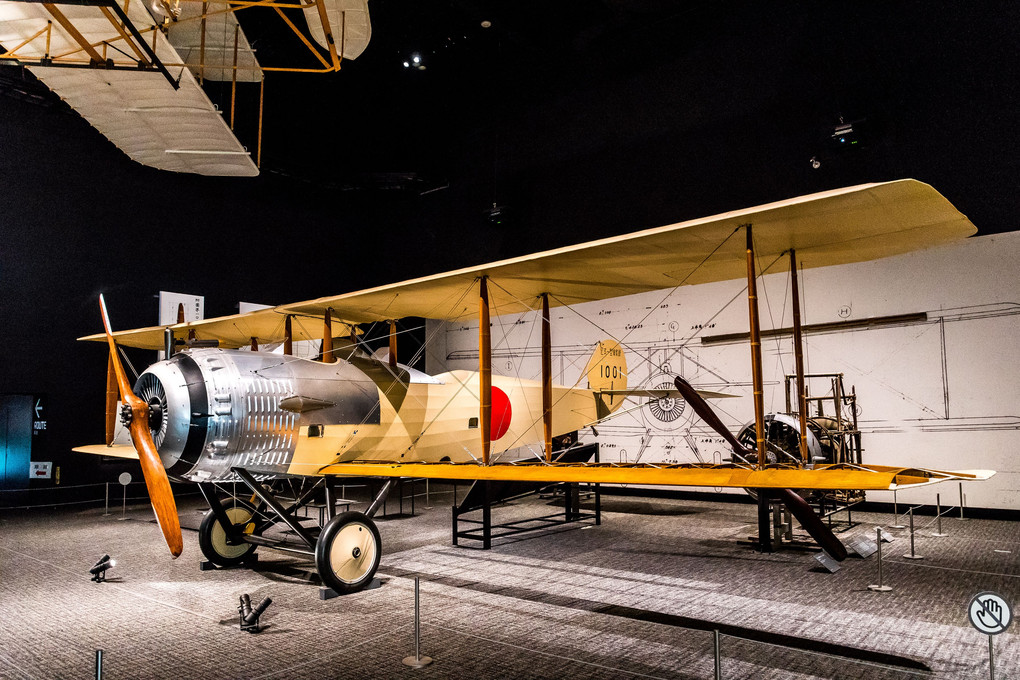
{"x":815,"y":163}
{"x":250,"y":615}
{"x":407,"y":64}
{"x":99,"y":570}
{"x":416,"y":58}
{"x":486,"y":24}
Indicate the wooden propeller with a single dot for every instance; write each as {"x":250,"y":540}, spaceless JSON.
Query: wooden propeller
{"x":706,"y":413}
{"x":156,"y":481}
{"x":800,"y":509}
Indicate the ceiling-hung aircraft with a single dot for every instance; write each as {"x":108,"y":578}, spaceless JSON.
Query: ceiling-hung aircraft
{"x":134,"y":70}
{"x":222,"y":409}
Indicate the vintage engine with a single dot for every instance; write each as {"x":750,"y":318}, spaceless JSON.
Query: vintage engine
{"x":212,"y":409}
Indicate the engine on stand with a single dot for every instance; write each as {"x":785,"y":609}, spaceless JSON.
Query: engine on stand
{"x":833,"y":438}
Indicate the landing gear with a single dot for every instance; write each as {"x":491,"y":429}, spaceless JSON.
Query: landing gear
{"x":347,"y":552}
{"x":213,"y":539}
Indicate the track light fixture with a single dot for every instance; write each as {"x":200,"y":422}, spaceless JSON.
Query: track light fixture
{"x":250,"y":615}
{"x":99,"y":570}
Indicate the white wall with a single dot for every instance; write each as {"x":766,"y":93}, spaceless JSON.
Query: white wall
{"x":941,"y":393}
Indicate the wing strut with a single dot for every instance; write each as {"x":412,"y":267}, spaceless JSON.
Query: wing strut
{"x":327,"y":336}
{"x":484,"y":369}
{"x":393,"y":344}
{"x":756,"y":375}
{"x":798,"y":352}
{"x":764,"y":529}
{"x":547,"y":403}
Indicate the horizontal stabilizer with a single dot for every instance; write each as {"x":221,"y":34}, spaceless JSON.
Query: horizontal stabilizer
{"x":664,"y":393}
{"x":116,"y":451}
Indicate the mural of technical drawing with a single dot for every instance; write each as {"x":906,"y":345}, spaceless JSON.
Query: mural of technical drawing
{"x":926,"y":342}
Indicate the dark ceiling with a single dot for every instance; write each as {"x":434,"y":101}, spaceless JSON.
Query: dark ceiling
{"x":583,"y":118}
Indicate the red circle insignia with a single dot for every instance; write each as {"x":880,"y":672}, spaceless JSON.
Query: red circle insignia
{"x":501,"y":414}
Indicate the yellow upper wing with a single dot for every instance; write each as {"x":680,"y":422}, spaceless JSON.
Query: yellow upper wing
{"x":854,"y":224}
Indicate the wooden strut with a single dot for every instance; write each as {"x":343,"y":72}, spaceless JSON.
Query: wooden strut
{"x":756,"y":373}
{"x":328,"y":33}
{"x":327,"y":337}
{"x":288,"y":336}
{"x":254,"y":344}
{"x":393,"y":344}
{"x":262,"y":96}
{"x":233,"y":84}
{"x":484,"y":370}
{"x":201,"y":46}
{"x":124,"y":36}
{"x":547,"y":405}
{"x":66,"y":24}
{"x":764,"y":495}
{"x":798,"y":353}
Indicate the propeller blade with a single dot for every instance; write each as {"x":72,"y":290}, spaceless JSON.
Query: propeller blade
{"x":156,"y":481}
{"x":706,"y":413}
{"x":813,"y":524}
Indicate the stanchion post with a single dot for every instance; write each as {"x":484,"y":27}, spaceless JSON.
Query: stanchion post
{"x":123,"y":509}
{"x":106,"y":507}
{"x":417,"y":661}
{"x":938,"y":516}
{"x":991,"y":658}
{"x":896,"y":512}
{"x":961,"y":501}
{"x":912,"y":555}
{"x":718,"y":657}
{"x":99,"y":664}
{"x":880,"y":587}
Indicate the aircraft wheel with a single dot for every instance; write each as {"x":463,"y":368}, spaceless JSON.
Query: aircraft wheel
{"x":347,"y":552}
{"x":212,"y":538}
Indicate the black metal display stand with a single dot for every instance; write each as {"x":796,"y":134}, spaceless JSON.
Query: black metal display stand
{"x":484,"y":494}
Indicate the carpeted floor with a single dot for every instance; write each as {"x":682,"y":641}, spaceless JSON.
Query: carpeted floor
{"x":635,"y":597}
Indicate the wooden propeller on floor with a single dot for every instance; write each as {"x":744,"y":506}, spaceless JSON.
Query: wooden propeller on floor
{"x":156,"y":481}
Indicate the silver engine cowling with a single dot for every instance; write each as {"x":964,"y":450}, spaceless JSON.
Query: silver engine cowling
{"x":213,"y":409}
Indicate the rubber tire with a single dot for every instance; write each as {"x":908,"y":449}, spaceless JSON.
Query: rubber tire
{"x":212,"y":536}
{"x":359,"y":569}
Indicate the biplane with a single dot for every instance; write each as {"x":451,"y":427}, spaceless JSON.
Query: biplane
{"x":236,"y":405}
{"x":135,"y":70}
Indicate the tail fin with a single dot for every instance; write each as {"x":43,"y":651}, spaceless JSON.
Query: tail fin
{"x":607,"y":370}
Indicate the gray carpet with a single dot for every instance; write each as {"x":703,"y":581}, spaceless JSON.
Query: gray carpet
{"x":636,"y":597}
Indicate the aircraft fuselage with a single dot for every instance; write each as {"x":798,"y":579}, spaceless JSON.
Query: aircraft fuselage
{"x":214,"y":409}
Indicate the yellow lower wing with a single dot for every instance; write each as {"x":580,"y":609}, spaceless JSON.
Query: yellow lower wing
{"x":830,"y":477}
